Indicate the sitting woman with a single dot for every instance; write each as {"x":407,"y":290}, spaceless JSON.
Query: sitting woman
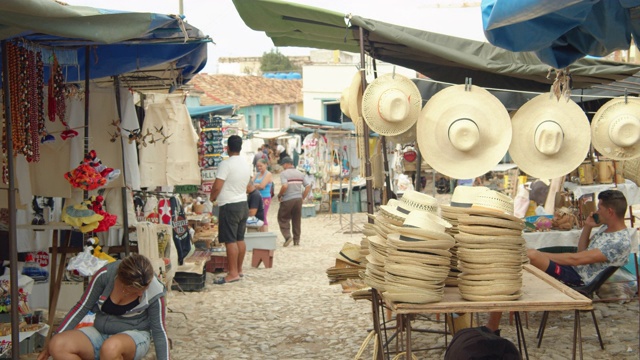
{"x":129,"y":304}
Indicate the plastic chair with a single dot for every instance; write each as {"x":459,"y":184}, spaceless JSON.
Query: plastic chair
{"x":587,"y":290}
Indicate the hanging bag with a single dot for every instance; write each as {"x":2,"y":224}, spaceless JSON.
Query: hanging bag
{"x":335,"y":168}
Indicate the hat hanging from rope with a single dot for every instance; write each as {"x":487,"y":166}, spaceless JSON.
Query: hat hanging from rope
{"x":391,"y":104}
{"x":551,"y":137}
{"x":463,"y":131}
{"x":615,"y":129}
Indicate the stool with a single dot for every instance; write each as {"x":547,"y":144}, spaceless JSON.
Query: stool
{"x":264,"y":256}
{"x":217,"y":263}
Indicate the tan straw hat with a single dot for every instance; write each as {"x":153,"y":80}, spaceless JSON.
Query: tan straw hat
{"x":488,"y":230}
{"x":463,"y":134}
{"x":355,"y":98}
{"x":551,"y":137}
{"x":349,"y":253}
{"x":420,"y":220}
{"x":344,"y":102}
{"x":415,"y":200}
{"x":615,"y":129}
{"x":391,"y":104}
{"x":466,"y":219}
{"x":493,"y":201}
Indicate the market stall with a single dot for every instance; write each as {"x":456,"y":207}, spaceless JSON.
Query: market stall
{"x":81,"y":44}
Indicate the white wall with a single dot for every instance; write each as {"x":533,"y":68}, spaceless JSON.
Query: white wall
{"x":326,"y":82}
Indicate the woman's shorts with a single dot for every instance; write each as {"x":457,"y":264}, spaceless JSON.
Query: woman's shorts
{"x":142,"y":339}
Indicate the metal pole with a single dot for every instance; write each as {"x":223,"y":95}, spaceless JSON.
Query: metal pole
{"x":125,"y":218}
{"x":418,"y":170}
{"x":367,"y":160}
{"x":87,"y":65}
{"x":13,"y":243}
{"x":385,"y":160}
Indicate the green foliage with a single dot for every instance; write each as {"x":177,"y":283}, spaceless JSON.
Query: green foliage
{"x":273,"y":61}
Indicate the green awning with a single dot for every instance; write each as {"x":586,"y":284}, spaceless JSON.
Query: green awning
{"x":440,"y":57}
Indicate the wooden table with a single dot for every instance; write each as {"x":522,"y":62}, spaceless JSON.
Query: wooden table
{"x":540,"y":292}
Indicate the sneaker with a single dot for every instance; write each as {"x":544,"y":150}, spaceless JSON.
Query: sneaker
{"x":288,"y":242}
{"x":253,"y":221}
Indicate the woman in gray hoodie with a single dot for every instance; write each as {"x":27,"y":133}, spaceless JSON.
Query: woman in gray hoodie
{"x":129,"y":303}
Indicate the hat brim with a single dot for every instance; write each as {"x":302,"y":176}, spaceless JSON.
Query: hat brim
{"x":412,"y":297}
{"x":355,"y":98}
{"x":370,"y":110}
{"x":488,"y":230}
{"x":608,"y":112}
{"x":451,"y":104}
{"x":472,"y":297}
{"x":575,"y":144}
{"x":490,"y":221}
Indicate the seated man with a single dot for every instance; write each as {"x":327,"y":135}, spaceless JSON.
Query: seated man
{"x":256,"y":207}
{"x":609,"y":246}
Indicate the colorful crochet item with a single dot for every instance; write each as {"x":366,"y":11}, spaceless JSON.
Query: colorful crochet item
{"x":108,"y":219}
{"x":80,"y":216}
{"x":91,"y":173}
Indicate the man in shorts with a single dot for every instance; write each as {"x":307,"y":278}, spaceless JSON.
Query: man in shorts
{"x":295,"y":187}
{"x":230,"y":191}
{"x":609,"y":246}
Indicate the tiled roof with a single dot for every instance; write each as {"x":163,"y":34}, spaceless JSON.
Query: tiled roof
{"x":246,"y":90}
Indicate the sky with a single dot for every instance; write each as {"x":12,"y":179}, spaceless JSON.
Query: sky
{"x":220,"y":20}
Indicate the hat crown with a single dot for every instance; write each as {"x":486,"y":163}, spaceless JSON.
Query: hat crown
{"x":393,"y":105}
{"x":624,"y":130}
{"x":464,"y":134}
{"x":548,"y":137}
{"x":493,"y":200}
{"x":463,"y":196}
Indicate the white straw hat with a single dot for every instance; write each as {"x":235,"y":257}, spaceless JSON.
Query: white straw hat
{"x":463,"y":134}
{"x":415,"y":200}
{"x":551,"y":137}
{"x":391,"y":104}
{"x":615,"y":129}
{"x":355,"y":98}
{"x":418,"y":219}
{"x":493,"y":201}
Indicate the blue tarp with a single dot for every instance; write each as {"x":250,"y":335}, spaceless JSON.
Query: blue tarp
{"x":561,"y":32}
{"x":121,"y":42}
{"x":195,"y":111}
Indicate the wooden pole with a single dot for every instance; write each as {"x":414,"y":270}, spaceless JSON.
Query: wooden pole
{"x":13,"y":243}
{"x":367,"y":160}
{"x":125,"y":217}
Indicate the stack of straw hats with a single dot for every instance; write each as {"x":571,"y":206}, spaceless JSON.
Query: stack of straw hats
{"x":490,"y":249}
{"x":348,"y":264}
{"x":460,"y":200}
{"x":396,"y":211}
{"x":418,"y":259}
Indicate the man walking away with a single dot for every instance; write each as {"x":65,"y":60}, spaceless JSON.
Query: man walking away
{"x":294,"y":188}
{"x":230,"y":191}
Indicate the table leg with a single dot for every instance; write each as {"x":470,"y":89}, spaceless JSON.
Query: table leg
{"x":375,"y":302}
{"x":577,"y":334}
{"x":407,"y":324}
{"x":520,"y":333}
{"x":52,"y":276}
{"x":57,"y":283}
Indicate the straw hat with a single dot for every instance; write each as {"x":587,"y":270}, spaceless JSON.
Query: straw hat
{"x":349,"y":253}
{"x":471,"y":297}
{"x":551,"y":137}
{"x":463,"y":196}
{"x":354,"y":98}
{"x":415,"y":200}
{"x":344,"y":102}
{"x":400,"y":242}
{"x":490,"y":221}
{"x":391,"y":104}
{"x":493,"y":201}
{"x":463,"y":134}
{"x":412,"y":297}
{"x":488,"y":230}
{"x":615,"y":129}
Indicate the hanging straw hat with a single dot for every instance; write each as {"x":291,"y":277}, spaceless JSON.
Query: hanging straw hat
{"x":344,"y":102}
{"x":391,"y":104}
{"x":551,"y":137}
{"x":355,"y":98}
{"x":464,"y":134}
{"x":615,"y":129}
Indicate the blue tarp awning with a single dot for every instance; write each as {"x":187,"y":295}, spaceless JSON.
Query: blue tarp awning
{"x":195,"y":111}
{"x":120,"y":42}
{"x":561,"y":32}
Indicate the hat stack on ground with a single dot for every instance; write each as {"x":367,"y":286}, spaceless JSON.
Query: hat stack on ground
{"x":461,"y":200}
{"x":490,"y":249}
{"x":418,"y":259}
{"x":348,"y":264}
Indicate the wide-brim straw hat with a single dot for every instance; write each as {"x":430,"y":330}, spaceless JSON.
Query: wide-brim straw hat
{"x":391,"y":104}
{"x":464,"y":134}
{"x":354,"y":98}
{"x":344,"y":102}
{"x":429,"y":284}
{"x":471,"y":297}
{"x":419,"y":219}
{"x":349,"y":253}
{"x":491,"y":276}
{"x":413,"y":297}
{"x":631,"y":170}
{"x":394,"y":211}
{"x":400,"y":256}
{"x":490,"y":221}
{"x":489,"y":287}
{"x":551,"y":137}
{"x":615,"y":129}
{"x":463,"y":196}
{"x":489,"y":256}
{"x":488,"y":230}
{"x":401,"y":242}
{"x":417,"y":271}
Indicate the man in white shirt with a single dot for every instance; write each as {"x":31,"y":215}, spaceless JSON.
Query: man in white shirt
{"x":230,"y":191}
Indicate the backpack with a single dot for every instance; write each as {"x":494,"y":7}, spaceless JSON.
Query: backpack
{"x":480,"y":343}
